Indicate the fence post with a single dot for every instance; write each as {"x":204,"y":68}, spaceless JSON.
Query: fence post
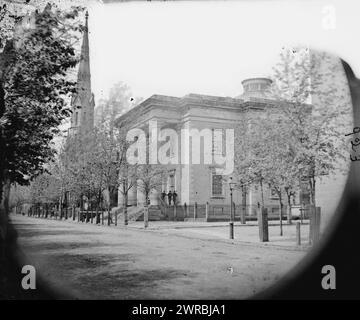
{"x":289,"y":215}
{"x":315,"y":229}
{"x":207,"y":211}
{"x":302,"y":212}
{"x":298,"y":233}
{"x":242,"y":214}
{"x":195,"y":210}
{"x":263,"y":224}
{"x":311,"y":210}
{"x":175,"y":217}
{"x":186,"y":210}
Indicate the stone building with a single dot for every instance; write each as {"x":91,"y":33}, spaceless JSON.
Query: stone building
{"x":197,"y":181}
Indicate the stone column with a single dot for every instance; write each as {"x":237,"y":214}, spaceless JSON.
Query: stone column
{"x":154,"y":197}
{"x":141,"y":200}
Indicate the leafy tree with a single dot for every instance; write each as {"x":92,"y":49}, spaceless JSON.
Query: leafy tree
{"x":45,"y":192}
{"x":34,"y":91}
{"x":19,"y":196}
{"x":77,"y":172}
{"x":249,"y":162}
{"x":313,"y":93}
{"x":111,"y":133}
{"x":119,"y":101}
{"x":149,"y":179}
{"x":281,"y":169}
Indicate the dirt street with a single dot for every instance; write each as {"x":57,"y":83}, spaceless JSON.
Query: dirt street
{"x":100,"y":262}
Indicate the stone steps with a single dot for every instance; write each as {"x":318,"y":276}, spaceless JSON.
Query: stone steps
{"x":196,"y":220}
{"x":154,"y":214}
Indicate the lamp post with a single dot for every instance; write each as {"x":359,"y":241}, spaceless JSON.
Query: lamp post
{"x":231,"y":185}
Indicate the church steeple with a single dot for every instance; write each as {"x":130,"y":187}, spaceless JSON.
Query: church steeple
{"x":84,"y":80}
{"x":82,"y":103}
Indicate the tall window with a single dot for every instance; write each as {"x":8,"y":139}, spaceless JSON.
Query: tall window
{"x":171,"y":181}
{"x":217,"y":185}
{"x":217,"y":148}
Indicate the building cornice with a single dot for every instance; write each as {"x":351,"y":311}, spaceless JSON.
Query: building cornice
{"x":194,"y":101}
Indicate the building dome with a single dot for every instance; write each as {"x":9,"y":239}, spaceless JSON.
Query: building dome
{"x":256,"y":87}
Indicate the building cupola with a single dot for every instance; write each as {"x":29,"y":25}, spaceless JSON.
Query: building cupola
{"x":256,"y":87}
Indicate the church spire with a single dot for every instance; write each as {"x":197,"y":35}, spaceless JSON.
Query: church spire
{"x":82,"y":103}
{"x":84,"y":80}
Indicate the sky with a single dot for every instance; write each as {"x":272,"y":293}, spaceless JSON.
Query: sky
{"x":209,"y":47}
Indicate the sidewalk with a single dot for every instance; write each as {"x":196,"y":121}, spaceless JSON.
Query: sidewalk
{"x":245,"y":233}
{"x":155,"y":225}
{"x":248,"y":235}
{"x":219,"y":231}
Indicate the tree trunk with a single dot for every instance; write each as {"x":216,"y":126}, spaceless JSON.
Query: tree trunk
{"x":87,"y":212}
{"x":281,"y":212}
{"x":289,"y":215}
{"x":92,"y":216}
{"x":146,"y":210}
{"x":125,"y":203}
{"x":4,"y":212}
{"x":312,"y":191}
{"x":2,"y":144}
{"x":97,"y":220}
{"x":115,"y":217}
{"x":109,"y":205}
{"x":146,"y":216}
{"x":109,"y":215}
{"x":262,"y":194}
{"x":60,"y":207}
{"x":98,"y":206}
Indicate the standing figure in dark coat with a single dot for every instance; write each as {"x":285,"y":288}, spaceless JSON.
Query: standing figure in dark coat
{"x":174,"y":197}
{"x":169,"y":197}
{"x":163,"y":195}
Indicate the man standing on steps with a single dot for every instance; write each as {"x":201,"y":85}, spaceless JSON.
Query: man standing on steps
{"x":169,"y":197}
{"x":174,"y":197}
{"x":163,"y":195}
